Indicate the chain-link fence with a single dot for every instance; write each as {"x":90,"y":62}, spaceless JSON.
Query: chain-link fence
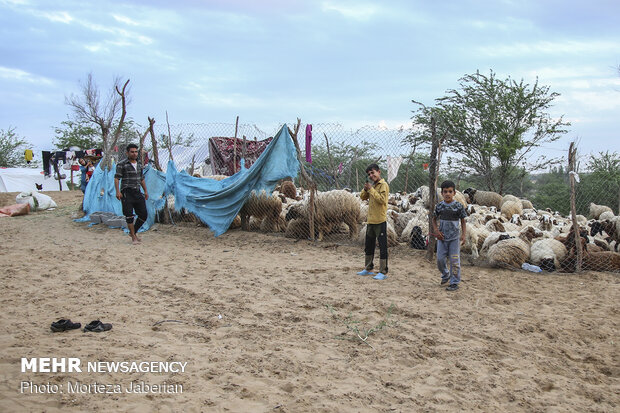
{"x":529,"y":223}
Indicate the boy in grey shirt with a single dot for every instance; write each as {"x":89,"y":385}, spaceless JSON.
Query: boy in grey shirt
{"x":449,"y":212}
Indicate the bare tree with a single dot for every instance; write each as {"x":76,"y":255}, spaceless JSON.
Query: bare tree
{"x":88,"y":107}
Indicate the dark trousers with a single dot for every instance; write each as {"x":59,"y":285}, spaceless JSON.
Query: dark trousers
{"x":374,"y":232}
{"x":133,"y":200}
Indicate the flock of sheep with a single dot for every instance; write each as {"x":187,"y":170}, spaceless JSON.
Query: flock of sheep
{"x":504,"y":231}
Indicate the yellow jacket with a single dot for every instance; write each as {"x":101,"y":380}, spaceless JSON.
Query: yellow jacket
{"x":377,"y":197}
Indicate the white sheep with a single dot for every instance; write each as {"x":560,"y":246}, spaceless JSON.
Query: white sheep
{"x":597,"y":210}
{"x":266,"y":208}
{"x":507,"y":198}
{"x":526,"y":204}
{"x":487,"y":198}
{"x":420,"y":220}
{"x":474,"y":239}
{"x":513,"y":252}
{"x":331,"y":207}
{"x":392,"y":238}
{"x":423,"y":193}
{"x":511,"y":207}
{"x":547,"y":253}
{"x":606,"y":215}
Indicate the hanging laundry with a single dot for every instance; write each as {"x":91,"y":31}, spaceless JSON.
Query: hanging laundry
{"x":393,"y":166}
{"x":28,"y":155}
{"x":61,"y":156}
{"x":308,"y":143}
{"x":46,"y":155}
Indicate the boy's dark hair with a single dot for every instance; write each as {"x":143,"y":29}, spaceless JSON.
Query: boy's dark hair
{"x":372,"y":167}
{"x":131,"y":145}
{"x":447,"y":184}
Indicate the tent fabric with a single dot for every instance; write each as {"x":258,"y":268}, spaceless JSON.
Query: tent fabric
{"x":27,"y":179}
{"x":183,"y":156}
{"x":216,"y":203}
{"x":100,"y":194}
{"x":222,"y":151}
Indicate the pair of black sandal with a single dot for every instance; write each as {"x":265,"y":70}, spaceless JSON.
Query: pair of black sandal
{"x":95,"y":326}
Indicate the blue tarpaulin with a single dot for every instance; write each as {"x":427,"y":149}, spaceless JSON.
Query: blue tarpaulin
{"x":216,"y":203}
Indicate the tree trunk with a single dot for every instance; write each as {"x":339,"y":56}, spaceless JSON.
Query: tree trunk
{"x":309,"y":181}
{"x":432,"y":168}
{"x":572,"y":154}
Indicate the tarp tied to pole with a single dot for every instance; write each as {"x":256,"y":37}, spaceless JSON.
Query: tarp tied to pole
{"x":216,"y":203}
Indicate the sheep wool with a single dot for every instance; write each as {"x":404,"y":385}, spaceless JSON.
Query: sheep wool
{"x":507,"y":198}
{"x":392,"y":239}
{"x":597,"y":210}
{"x":331,"y":208}
{"x":606,"y":215}
{"x":511,"y":207}
{"x":526,"y":204}
{"x":547,"y":253}
{"x":487,"y":198}
{"x":288,"y":189}
{"x":264,"y":208}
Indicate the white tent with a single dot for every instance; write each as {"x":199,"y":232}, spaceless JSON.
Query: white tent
{"x":24,"y":179}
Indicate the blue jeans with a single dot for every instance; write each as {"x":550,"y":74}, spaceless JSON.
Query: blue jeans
{"x":449,"y":249}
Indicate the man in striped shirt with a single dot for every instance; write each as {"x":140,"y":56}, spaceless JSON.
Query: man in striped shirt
{"x":129,"y":173}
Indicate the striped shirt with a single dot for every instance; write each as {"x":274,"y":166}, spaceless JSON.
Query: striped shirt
{"x":130,"y":177}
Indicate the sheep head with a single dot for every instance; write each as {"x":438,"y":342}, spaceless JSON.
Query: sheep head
{"x":470,"y":192}
{"x":294,"y":212}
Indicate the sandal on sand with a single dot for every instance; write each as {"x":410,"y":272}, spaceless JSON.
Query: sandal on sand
{"x":380,"y":276}
{"x":365,"y":272}
{"x":97,"y":326}
{"x":64,"y":325}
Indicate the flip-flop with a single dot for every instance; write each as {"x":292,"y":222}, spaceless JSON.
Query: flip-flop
{"x":365,"y":272}
{"x":380,"y":276}
{"x":97,"y":326}
{"x":64,"y":325}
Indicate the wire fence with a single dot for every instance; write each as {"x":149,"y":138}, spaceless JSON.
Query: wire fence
{"x":529,"y":223}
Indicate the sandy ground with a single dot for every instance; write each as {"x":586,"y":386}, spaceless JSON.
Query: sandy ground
{"x":506,"y":341}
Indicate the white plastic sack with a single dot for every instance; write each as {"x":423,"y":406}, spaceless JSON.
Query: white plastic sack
{"x":37,"y":201}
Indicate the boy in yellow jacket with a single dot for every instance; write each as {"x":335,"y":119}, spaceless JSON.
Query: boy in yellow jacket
{"x":376,"y":191}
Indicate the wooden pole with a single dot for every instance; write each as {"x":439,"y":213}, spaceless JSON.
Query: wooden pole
{"x":191,"y":168}
{"x":243,"y":150}
{"x":235,"y":147}
{"x":572,"y":155}
{"x":432,"y":185}
{"x":331,"y":162}
{"x":154,"y":144}
{"x":141,"y":146}
{"x":309,"y":180}
{"x":169,"y":138}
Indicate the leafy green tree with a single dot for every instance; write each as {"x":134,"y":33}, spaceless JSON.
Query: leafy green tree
{"x":492,"y":126}
{"x":74,"y":133}
{"x":602,"y":185}
{"x":12,"y":148}
{"x":177,"y":140}
{"x":411,"y":174}
{"x":354,"y":159}
{"x":553,"y":191}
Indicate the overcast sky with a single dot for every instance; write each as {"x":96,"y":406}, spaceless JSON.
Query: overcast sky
{"x":269,"y":61}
